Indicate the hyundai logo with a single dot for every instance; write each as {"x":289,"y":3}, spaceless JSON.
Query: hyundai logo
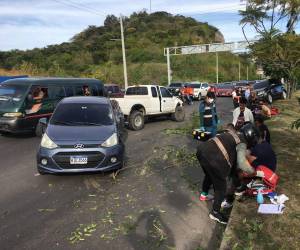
{"x":78,"y":146}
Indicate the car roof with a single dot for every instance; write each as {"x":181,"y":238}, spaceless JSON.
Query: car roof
{"x":50,"y":80}
{"x":110,"y":84}
{"x":85,"y":99}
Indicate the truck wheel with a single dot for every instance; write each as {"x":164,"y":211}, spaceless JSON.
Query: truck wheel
{"x":179,"y":114}
{"x":136,"y":120}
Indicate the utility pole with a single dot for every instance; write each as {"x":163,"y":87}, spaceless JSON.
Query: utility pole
{"x":150,"y":6}
{"x":169,"y":66}
{"x":247,"y":73}
{"x":217,"y":67}
{"x":123,"y":52}
{"x":239,"y":70}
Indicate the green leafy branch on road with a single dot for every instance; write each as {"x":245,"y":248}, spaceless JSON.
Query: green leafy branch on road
{"x":82,"y":232}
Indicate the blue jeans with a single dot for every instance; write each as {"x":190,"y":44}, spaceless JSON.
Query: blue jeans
{"x":212,"y":129}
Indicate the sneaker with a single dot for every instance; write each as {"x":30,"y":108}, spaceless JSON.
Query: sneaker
{"x":204,"y":197}
{"x":217,"y":216}
{"x":225,"y":204}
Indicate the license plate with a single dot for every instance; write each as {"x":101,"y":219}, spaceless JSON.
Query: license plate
{"x":78,"y":160}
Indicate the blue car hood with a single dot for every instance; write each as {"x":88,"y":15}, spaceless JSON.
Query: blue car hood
{"x":80,"y":133}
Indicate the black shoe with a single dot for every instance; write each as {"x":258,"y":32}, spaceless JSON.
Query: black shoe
{"x":217,"y":216}
{"x":240,"y":190}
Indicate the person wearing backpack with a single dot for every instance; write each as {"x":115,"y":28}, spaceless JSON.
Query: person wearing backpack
{"x":220,"y":157}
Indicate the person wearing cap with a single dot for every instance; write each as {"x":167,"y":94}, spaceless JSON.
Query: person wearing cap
{"x":242,"y":115}
{"x":208,"y":115}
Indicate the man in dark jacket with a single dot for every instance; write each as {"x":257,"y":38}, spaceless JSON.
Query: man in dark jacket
{"x":219,"y":158}
{"x":208,"y":115}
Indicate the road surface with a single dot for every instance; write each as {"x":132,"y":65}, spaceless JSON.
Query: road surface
{"x":149,"y":205}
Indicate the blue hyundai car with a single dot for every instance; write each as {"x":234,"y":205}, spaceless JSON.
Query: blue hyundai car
{"x":84,"y":134}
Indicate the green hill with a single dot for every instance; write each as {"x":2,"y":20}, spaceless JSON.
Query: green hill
{"x":95,"y":52}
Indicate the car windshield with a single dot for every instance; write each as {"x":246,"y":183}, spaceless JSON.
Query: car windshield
{"x":82,"y":114}
{"x":260,"y":85}
{"x":176,"y":85}
{"x":11,"y":95}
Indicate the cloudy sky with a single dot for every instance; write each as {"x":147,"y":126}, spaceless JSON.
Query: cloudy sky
{"x":26,"y":24}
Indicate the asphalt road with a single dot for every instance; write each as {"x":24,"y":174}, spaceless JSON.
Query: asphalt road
{"x":140,"y":209}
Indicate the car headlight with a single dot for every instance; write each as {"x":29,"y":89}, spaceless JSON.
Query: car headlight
{"x":111,"y":141}
{"x":47,"y":142}
{"x":14,"y":114}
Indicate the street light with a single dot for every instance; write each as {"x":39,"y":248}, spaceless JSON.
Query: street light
{"x":123,"y":51}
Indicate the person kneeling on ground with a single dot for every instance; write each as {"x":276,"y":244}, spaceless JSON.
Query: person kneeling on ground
{"x":219,"y":157}
{"x":208,"y":115}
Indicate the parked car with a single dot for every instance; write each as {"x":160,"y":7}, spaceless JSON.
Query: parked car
{"x":269,"y":90}
{"x":24,"y":101}
{"x":176,"y":87}
{"x":241,"y":84}
{"x":200,"y":89}
{"x":113,"y":90}
{"x":224,"y":90}
{"x":84,"y":134}
{"x":144,"y":101}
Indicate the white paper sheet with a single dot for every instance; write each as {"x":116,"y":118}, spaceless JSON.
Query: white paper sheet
{"x":270,"y":209}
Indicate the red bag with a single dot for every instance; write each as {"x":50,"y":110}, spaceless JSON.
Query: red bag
{"x":274,"y":111}
{"x":270,"y":178}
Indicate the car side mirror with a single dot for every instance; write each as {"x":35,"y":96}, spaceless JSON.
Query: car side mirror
{"x":42,"y":126}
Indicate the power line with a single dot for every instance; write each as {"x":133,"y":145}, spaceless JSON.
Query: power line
{"x":79,"y":7}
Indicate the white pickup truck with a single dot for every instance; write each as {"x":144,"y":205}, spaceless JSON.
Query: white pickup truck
{"x":143,"y":101}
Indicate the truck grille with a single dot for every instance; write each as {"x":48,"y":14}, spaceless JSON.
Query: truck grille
{"x":62,"y":159}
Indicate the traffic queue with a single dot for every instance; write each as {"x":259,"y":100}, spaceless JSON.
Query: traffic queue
{"x":83,"y":131}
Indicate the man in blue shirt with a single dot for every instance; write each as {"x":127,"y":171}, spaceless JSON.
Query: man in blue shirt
{"x":262,"y":154}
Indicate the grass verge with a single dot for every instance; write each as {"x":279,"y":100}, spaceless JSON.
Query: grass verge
{"x":250,"y":230}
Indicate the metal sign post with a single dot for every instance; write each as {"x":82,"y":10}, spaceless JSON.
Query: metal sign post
{"x":235,"y":47}
{"x":124,"y":53}
{"x":169,"y":66}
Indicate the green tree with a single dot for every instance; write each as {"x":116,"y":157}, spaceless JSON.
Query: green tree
{"x":276,"y":51}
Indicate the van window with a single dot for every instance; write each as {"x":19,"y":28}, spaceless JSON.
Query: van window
{"x":93,"y":90}
{"x":56,"y":92}
{"x":69,"y":91}
{"x":154,"y":92}
{"x":100,"y":90}
{"x":78,"y":90}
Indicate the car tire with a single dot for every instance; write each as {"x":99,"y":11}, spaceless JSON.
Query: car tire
{"x":283,"y":95}
{"x":39,"y":131}
{"x":136,"y":120}
{"x":41,"y":172}
{"x":269,"y":98}
{"x":179,"y":114}
{"x":199,"y":97}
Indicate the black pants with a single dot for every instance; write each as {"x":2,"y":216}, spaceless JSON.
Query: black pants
{"x":215,"y":178}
